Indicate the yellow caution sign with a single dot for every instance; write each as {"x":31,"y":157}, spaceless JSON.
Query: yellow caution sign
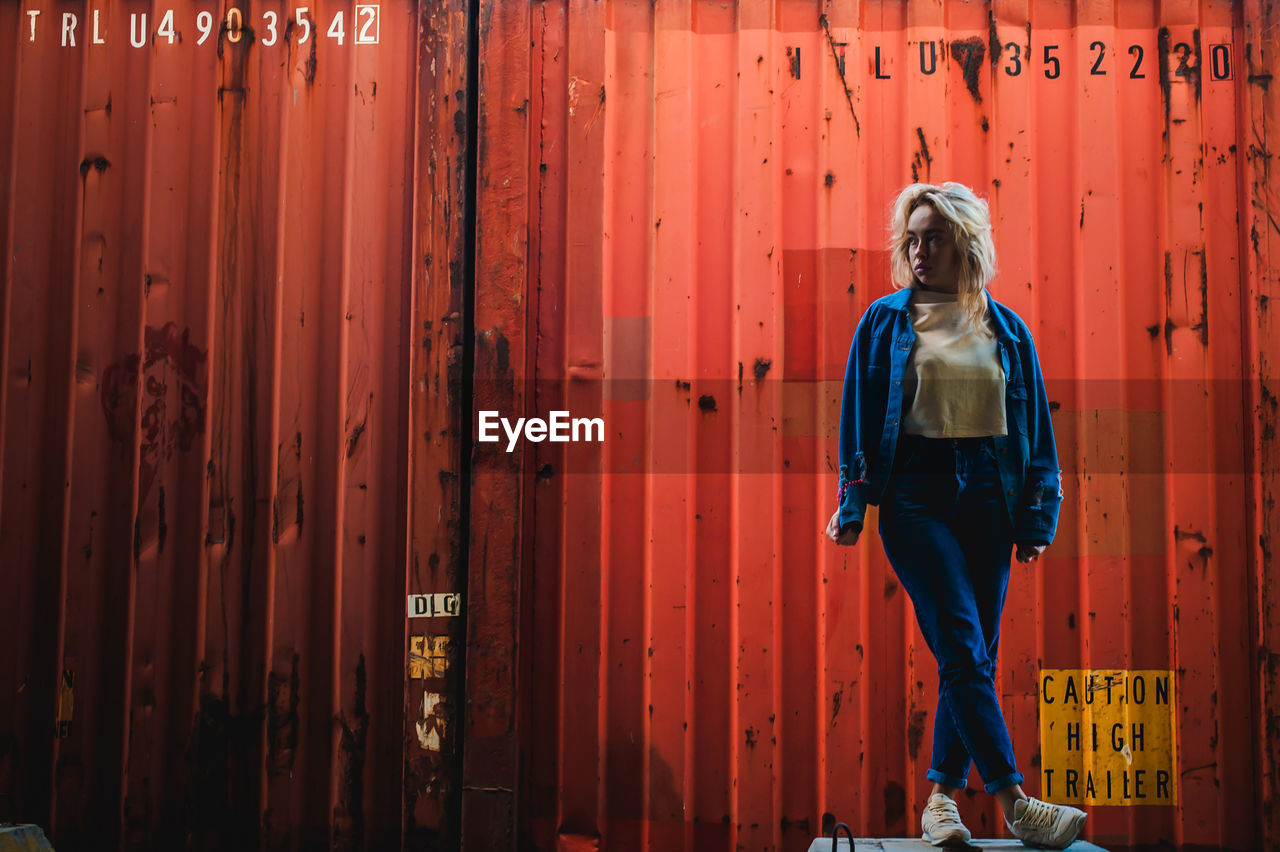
{"x":1108,"y":737}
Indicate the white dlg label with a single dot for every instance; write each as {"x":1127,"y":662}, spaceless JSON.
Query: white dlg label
{"x":434,"y":606}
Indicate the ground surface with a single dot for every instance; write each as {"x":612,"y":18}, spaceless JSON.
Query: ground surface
{"x":906,"y":844}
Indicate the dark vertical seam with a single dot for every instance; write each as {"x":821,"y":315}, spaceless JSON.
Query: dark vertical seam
{"x":466,"y":393}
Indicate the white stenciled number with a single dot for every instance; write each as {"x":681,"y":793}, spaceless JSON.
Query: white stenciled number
{"x":335,"y":27}
{"x":270,"y":18}
{"x":166,"y":26}
{"x":367,"y":20}
{"x":204,"y":23}
{"x":235,"y":25}
{"x":303,"y":22}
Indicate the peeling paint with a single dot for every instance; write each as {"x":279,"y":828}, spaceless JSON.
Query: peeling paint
{"x":969,"y":53}
{"x":431,"y":726}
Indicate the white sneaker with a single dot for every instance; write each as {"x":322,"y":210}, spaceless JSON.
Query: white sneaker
{"x":1038,"y":823}
{"x":940,"y":822}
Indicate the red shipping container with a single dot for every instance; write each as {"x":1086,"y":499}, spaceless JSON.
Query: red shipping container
{"x":266,"y":265}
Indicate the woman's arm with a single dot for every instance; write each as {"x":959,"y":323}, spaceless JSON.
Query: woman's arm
{"x":1037,"y":518}
{"x":851,"y":494}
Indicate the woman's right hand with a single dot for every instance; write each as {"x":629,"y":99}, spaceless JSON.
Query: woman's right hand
{"x":848,"y":538}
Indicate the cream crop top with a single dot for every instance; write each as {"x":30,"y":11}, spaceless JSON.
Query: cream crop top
{"x":953,"y":386}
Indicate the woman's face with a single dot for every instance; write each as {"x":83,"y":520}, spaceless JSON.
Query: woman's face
{"x":931,"y":250}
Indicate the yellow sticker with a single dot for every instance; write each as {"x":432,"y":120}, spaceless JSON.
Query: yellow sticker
{"x":1108,"y":737}
{"x":417,"y":657}
{"x":428,"y":656}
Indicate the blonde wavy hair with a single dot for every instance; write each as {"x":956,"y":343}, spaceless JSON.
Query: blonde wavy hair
{"x":970,"y":222}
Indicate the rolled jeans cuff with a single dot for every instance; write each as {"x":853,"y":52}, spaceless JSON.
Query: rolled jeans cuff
{"x":948,"y":780}
{"x":1000,"y":783}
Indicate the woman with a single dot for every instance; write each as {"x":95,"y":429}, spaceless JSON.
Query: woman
{"x":945,"y":425}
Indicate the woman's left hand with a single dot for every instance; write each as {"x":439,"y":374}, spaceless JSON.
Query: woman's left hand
{"x":1028,"y":552}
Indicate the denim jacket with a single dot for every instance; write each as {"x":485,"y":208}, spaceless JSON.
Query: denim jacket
{"x":871,"y":414}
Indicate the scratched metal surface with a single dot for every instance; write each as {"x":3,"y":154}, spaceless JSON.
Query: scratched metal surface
{"x":437,"y":417}
{"x":1260,"y":106}
{"x":706,"y":196}
{"x":216,"y":245}
{"x":495,"y":528}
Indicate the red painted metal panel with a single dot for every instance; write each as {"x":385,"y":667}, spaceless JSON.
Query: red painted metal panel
{"x":495,"y":529}
{"x":437,"y":390}
{"x":216,"y":337}
{"x":706,"y":187}
{"x":232,"y":399}
{"x":1259,"y":185}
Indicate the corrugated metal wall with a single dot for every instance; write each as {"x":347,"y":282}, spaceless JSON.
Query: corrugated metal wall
{"x":231,"y":289}
{"x":1259,"y":184}
{"x":237,"y":357}
{"x":706,"y":186}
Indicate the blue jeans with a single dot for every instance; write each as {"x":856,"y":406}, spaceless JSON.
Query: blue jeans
{"x":946,"y":532}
